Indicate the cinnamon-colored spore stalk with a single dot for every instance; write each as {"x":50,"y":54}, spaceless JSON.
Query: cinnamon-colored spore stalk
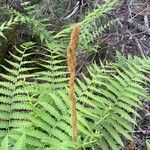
{"x":71,"y":52}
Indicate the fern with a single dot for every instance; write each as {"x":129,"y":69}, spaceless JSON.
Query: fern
{"x":110,"y":97}
{"x":89,"y":28}
{"x":4,"y":143}
{"x":91,"y":32}
{"x":51,"y":123}
{"x":6,"y":25}
{"x":51,"y":120}
{"x":54,"y":72}
{"x":39,"y":111}
{"x":107,"y":99}
{"x":38,"y":27}
{"x":53,"y":51}
{"x":19,"y":145}
{"x":14,"y":110}
{"x":148,"y":145}
{"x":90,"y":18}
{"x":106,"y":108}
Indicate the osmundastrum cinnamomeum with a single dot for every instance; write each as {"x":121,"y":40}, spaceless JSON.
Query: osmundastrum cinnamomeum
{"x":71,"y":52}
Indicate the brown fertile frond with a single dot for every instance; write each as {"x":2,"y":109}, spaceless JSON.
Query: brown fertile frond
{"x":71,"y":52}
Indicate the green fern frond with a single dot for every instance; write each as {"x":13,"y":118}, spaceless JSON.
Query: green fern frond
{"x":53,"y":69}
{"x":4,"y":143}
{"x":13,"y":98}
{"x":148,"y":145}
{"x":89,"y":28}
{"x":6,"y":25}
{"x":92,"y":31}
{"x":38,"y":27}
{"x":20,"y":144}
{"x":107,"y":103}
{"x":51,"y":121}
{"x":110,"y":99}
{"x":51,"y":116}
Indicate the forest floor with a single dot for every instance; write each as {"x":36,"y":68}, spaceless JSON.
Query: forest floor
{"x":141,"y":131}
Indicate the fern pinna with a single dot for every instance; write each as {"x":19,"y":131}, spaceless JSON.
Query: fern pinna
{"x":20,"y":144}
{"x":13,"y":107}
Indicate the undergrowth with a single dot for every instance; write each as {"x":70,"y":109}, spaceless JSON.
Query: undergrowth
{"x":34,"y":103}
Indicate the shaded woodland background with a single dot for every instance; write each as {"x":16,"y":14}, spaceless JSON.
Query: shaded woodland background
{"x":130,"y":35}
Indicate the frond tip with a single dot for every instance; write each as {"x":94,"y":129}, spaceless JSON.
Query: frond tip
{"x":71,"y":51}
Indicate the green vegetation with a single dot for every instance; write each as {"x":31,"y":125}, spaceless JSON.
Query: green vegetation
{"x":34,"y":103}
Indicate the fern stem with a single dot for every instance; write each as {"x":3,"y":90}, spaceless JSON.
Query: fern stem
{"x":86,"y":144}
{"x":71,"y":52}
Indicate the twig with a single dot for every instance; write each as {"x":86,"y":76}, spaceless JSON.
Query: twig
{"x":140,"y":47}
